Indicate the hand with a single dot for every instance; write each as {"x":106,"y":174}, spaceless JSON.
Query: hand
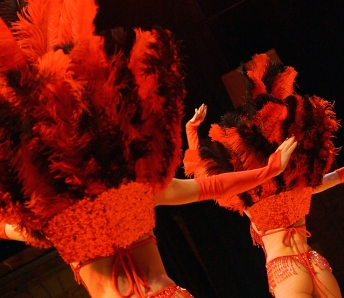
{"x":286,"y":148}
{"x":200,"y":114}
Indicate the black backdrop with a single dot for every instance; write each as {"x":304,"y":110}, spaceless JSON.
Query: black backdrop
{"x":206,"y":248}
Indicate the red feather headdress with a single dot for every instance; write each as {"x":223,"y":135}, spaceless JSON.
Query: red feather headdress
{"x":273,"y":111}
{"x":74,"y":121}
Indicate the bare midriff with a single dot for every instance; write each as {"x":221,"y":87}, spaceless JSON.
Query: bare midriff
{"x":278,"y":243}
{"x":99,"y":278}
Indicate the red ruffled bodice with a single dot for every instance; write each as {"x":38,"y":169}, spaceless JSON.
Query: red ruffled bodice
{"x":93,"y":228}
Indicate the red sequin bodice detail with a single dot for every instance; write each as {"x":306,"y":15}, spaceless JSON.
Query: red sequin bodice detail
{"x":281,"y":210}
{"x":93,"y":228}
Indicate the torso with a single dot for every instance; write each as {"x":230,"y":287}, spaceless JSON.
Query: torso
{"x":276,"y":244}
{"x":98,"y":275}
{"x":275,"y":247}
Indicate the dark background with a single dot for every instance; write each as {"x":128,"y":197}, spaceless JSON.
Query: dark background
{"x":205,"y":248}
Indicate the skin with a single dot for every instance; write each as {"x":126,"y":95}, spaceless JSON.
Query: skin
{"x":300,"y":285}
{"x":184,"y":191}
{"x":98,"y":275}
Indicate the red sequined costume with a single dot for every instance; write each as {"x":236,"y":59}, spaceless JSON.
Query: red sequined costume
{"x":244,"y":140}
{"x":86,"y":136}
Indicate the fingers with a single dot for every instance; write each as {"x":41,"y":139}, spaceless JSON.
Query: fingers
{"x":195,"y":116}
{"x":199,"y":113}
{"x":288,"y":145}
{"x":286,"y":148}
{"x":292,"y":147}
{"x":202,"y":111}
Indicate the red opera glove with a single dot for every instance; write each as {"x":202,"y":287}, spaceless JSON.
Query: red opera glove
{"x":340,"y":173}
{"x":228,"y":184}
{"x":191,"y":134}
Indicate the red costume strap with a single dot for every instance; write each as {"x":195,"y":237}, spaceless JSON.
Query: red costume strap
{"x":340,"y":173}
{"x":288,"y":239}
{"x":226,"y":185}
{"x":131,"y":270}
{"x":2,"y":231}
{"x":191,"y":134}
{"x":133,"y":273}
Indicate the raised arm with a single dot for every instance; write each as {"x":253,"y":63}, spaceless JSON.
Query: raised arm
{"x":191,"y":161}
{"x":329,"y":180}
{"x":225,"y":185}
{"x":192,"y":125}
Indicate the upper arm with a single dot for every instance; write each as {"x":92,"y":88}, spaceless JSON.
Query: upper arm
{"x":178,"y":192}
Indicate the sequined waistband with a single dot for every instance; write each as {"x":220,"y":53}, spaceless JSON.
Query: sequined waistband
{"x":171,"y":292}
{"x":283,"y":267}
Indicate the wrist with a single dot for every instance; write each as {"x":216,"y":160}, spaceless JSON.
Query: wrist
{"x":274,"y":164}
{"x":192,"y":123}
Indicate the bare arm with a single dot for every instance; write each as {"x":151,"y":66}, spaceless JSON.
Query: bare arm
{"x":329,"y":180}
{"x":178,"y":192}
{"x":192,"y":125}
{"x":225,"y":185}
{"x":8,"y":232}
{"x":12,"y":233}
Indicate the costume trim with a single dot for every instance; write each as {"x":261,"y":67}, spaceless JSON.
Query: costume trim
{"x":171,"y":292}
{"x":281,"y":268}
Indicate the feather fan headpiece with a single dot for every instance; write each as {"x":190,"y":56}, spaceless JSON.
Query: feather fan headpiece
{"x":244,"y":139}
{"x":75,"y":121}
